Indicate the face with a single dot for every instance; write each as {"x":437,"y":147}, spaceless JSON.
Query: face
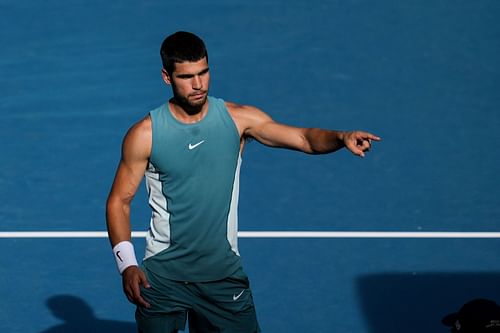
{"x":189,"y":81}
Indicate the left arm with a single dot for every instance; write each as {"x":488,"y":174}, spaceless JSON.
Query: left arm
{"x":252,"y":122}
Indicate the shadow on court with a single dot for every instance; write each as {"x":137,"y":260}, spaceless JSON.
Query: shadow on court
{"x":78,"y":317}
{"x":416,"y":302}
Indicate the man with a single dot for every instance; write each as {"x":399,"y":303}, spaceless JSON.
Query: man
{"x":189,"y":150}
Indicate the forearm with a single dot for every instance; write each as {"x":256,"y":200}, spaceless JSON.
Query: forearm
{"x":320,"y":141}
{"x":118,"y":221}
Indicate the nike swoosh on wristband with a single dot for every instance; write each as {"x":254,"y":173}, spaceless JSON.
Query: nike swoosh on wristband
{"x":190,"y":146}
{"x":119,"y":256}
{"x":235,"y":297}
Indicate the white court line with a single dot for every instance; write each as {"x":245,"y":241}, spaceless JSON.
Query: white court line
{"x":267,"y":234}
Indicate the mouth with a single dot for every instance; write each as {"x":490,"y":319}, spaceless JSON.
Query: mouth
{"x":198,"y":95}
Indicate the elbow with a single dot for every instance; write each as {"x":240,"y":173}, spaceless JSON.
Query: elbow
{"x":116,"y":206}
{"x":111,"y":203}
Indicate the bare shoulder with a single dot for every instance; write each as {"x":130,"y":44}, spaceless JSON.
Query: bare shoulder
{"x":140,"y":130}
{"x":245,"y":111}
{"x":246,"y":116}
{"x":138,"y":139}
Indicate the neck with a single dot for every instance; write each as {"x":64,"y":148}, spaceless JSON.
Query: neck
{"x":187,"y":113}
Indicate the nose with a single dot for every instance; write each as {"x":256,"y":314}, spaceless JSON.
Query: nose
{"x":197,"y":84}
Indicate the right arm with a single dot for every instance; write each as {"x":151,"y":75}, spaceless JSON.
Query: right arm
{"x":136,"y":150}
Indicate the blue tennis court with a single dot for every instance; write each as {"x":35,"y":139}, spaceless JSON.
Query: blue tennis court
{"x":424,"y":76}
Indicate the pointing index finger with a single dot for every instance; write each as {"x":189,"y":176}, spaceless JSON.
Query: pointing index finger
{"x":373,"y":137}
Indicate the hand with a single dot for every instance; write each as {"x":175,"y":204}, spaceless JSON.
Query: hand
{"x":132,"y":278}
{"x":359,"y":142}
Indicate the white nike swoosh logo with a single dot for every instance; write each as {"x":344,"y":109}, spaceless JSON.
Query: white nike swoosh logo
{"x":195,"y":145}
{"x":235,"y":297}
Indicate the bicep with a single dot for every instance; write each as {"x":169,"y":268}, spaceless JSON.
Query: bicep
{"x":133,"y":163}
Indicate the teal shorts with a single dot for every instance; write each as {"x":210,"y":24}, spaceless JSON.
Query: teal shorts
{"x":218,"y":306}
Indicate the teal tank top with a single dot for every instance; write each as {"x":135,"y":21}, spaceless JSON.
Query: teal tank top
{"x":193,"y":186}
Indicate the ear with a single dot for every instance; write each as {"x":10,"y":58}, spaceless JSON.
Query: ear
{"x":166,"y":77}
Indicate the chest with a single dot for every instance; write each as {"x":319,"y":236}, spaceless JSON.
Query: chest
{"x":204,"y":150}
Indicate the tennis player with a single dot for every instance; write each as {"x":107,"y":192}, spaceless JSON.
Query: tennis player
{"x":189,"y":151}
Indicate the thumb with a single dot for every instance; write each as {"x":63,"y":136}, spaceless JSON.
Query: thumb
{"x":355,"y":150}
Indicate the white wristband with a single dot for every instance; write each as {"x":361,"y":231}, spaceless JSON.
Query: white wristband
{"x":124,"y":255}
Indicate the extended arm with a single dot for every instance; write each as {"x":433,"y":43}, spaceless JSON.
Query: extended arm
{"x":252,"y":122}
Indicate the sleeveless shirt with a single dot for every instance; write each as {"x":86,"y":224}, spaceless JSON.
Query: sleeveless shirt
{"x":193,"y":186}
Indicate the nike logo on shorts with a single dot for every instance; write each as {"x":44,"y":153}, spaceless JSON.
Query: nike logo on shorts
{"x":236,"y":297}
